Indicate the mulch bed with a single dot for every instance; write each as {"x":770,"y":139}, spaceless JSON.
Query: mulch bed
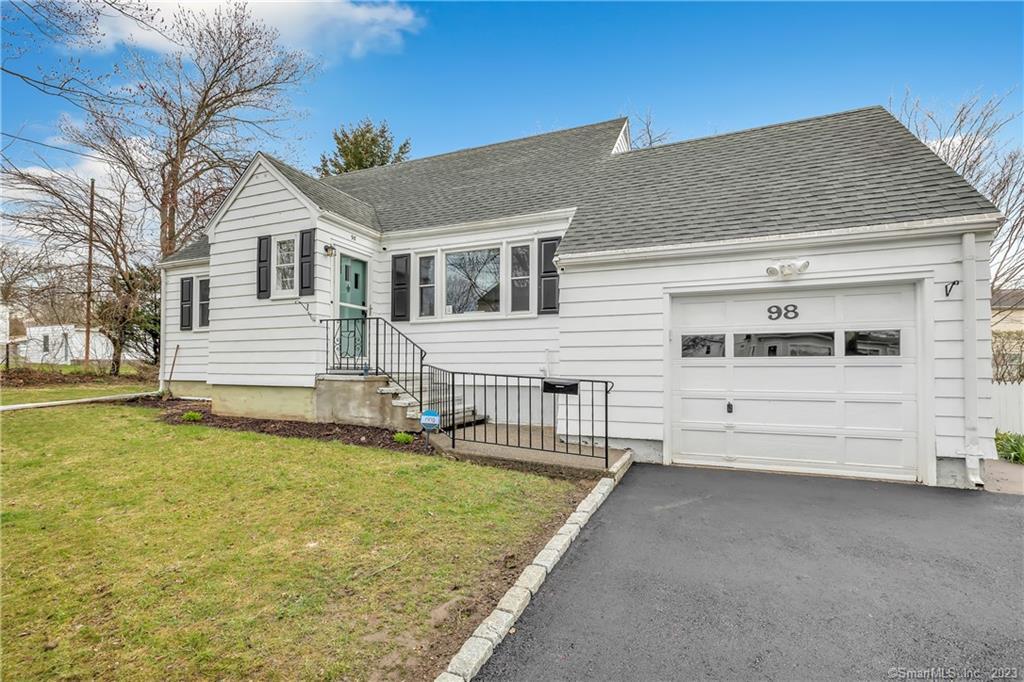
{"x":27,"y":377}
{"x":368,"y":436}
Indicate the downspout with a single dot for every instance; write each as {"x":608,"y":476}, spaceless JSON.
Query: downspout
{"x":163,"y":321}
{"x":969,"y":280}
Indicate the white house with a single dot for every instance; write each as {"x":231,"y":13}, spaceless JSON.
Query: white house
{"x":806,"y":297}
{"x":63,"y":344}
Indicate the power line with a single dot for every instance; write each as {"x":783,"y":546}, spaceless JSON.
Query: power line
{"x":51,"y":146}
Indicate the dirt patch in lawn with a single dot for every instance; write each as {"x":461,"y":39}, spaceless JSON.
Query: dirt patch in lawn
{"x":28,"y":377}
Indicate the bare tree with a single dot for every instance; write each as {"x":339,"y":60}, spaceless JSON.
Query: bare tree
{"x":72,"y":25}
{"x":53,"y":206}
{"x":186,"y":124}
{"x":972,"y":138}
{"x":644,"y":132}
{"x":19,"y":267}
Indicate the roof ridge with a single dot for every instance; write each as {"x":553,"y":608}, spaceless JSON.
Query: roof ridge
{"x":482,"y":146}
{"x":754,"y":129}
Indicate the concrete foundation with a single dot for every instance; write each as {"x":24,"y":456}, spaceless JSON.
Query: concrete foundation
{"x":337,"y":399}
{"x":264,"y":402}
{"x":345,"y":399}
{"x":190,"y":389}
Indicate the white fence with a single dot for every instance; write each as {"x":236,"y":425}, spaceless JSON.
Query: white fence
{"x":1008,"y":407}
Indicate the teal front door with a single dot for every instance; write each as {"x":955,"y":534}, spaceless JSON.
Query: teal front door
{"x":352,"y":306}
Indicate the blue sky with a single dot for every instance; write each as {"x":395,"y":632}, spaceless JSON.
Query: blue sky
{"x":455,"y":75}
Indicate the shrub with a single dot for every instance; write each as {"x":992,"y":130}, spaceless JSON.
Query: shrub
{"x":1010,"y":446}
{"x":403,"y":438}
{"x":192,"y":416}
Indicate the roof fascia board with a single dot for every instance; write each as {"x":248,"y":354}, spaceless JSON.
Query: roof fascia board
{"x":347,"y":223}
{"x":887,"y":231}
{"x":556,"y":215}
{"x":186,"y":261}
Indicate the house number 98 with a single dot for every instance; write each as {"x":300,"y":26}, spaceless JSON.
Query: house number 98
{"x":788,"y":311}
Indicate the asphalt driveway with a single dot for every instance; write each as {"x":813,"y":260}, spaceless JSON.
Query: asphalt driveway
{"x":691,"y":573}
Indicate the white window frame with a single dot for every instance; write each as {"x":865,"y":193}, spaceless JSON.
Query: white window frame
{"x":531,"y":310}
{"x":440,"y":254}
{"x":502,"y":278}
{"x":275,"y":291}
{"x":438,"y":309}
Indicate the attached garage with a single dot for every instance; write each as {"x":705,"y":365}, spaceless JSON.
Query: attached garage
{"x":821,"y":381}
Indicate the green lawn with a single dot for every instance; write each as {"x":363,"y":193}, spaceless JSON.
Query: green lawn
{"x":42,"y":394}
{"x":136,"y":549}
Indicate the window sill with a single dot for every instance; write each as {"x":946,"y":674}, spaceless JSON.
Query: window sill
{"x":474,"y":317}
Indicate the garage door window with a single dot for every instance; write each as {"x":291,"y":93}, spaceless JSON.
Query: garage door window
{"x":795,"y":344}
{"x":703,"y":345}
{"x":881,"y":342}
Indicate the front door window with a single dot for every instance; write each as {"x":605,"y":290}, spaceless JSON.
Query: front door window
{"x":352,"y":306}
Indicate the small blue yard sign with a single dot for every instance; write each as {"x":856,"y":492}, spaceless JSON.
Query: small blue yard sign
{"x":430,"y":420}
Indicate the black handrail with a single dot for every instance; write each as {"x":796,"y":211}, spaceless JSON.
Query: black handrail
{"x":372,"y":345}
{"x":565,"y":416}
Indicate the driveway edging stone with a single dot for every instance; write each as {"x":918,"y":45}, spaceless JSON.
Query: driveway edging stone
{"x":481,"y":644}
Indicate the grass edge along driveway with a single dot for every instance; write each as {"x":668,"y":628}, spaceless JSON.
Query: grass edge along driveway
{"x":140,"y":549}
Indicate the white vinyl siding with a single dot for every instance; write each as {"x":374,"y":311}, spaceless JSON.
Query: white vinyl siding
{"x":191,"y":346}
{"x":507,"y":342}
{"x":612,"y":323}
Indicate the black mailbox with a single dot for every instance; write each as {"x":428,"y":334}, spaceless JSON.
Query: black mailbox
{"x":562,"y":386}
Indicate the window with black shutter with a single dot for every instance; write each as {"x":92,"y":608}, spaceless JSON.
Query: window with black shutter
{"x":400,"y":287}
{"x":263,"y":267}
{"x":307,"y":241}
{"x":547,"y":279}
{"x":204,"y":303}
{"x":186,"y":304}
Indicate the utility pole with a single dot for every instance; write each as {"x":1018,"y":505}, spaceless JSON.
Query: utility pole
{"x":88,"y":276}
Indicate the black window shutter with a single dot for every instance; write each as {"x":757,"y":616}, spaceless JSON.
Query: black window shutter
{"x":186,"y":303}
{"x":263,"y":267}
{"x":400,"y":287}
{"x":307,"y":242}
{"x":547,"y":279}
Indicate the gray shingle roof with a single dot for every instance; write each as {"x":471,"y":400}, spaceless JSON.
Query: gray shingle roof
{"x":1008,"y":298}
{"x":850,"y":169}
{"x":529,"y":175}
{"x":200,"y":248}
{"x":327,"y":198}
{"x":845,"y":170}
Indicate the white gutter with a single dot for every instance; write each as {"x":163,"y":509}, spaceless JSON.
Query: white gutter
{"x":910,"y":229}
{"x":969,"y":284}
{"x":163,"y":265}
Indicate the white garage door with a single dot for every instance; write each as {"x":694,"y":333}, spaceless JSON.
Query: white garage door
{"x":814,"y":381}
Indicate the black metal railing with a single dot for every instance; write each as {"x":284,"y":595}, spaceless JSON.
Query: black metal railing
{"x":372,"y":345}
{"x":567,"y":416}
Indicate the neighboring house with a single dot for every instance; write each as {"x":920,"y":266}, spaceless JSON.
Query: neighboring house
{"x":1008,"y":310}
{"x":787,"y":298}
{"x":64,"y":344}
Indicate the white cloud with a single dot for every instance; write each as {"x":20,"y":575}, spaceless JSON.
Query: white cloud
{"x":332,"y":28}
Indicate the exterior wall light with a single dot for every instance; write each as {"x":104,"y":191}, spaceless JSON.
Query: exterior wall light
{"x":329,"y":250}
{"x":785,"y":269}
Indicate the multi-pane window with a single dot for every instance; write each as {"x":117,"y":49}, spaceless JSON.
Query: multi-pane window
{"x":284,"y":264}
{"x":204,"y":303}
{"x":427,"y":279}
{"x":520,"y":277}
{"x":473,"y":281}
